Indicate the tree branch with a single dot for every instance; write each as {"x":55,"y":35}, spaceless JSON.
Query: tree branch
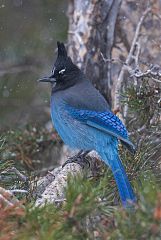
{"x":51,"y":188}
{"x":128,"y":60}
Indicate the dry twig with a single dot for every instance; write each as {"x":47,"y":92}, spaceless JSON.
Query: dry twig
{"x":128,"y":60}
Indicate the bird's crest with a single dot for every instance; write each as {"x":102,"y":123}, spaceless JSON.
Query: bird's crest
{"x":61,"y":50}
{"x":63,"y":61}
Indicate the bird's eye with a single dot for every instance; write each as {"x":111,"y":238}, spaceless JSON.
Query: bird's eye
{"x":62,"y":71}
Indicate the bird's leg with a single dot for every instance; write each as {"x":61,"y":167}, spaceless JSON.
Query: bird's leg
{"x":73,"y":158}
{"x":79,"y":158}
{"x":83,"y":156}
{"x":82,"y":159}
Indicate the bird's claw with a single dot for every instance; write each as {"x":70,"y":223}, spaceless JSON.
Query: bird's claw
{"x":79,"y":158}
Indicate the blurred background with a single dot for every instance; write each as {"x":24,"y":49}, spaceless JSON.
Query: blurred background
{"x":28,"y":34}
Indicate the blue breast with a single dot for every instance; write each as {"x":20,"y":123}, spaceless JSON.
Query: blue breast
{"x":75,"y":133}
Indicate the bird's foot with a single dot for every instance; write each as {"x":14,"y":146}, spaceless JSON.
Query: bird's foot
{"x":79,"y":158}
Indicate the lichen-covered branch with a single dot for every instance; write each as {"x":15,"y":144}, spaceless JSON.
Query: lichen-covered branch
{"x":51,"y":188}
{"x":53,"y":191}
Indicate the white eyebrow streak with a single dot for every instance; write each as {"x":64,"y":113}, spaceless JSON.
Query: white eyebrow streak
{"x":61,"y":71}
{"x":53,"y":70}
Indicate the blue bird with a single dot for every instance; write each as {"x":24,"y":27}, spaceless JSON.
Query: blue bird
{"x":83,"y":119}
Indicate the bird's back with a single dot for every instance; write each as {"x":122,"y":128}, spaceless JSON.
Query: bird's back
{"x":83,"y":95}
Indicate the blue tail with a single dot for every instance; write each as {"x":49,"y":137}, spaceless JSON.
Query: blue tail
{"x":124,"y":187}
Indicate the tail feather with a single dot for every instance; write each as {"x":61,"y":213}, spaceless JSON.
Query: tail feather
{"x":124,"y":187}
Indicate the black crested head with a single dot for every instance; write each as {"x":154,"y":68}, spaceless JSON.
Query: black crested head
{"x":63,"y":64}
{"x":64,"y":73}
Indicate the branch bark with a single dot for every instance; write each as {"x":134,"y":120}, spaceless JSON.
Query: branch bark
{"x":51,"y":188}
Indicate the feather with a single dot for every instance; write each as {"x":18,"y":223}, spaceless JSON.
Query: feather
{"x":124,"y":187}
{"x":106,"y":122}
{"x":61,"y":50}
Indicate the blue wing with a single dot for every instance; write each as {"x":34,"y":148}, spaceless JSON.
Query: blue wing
{"x":104,"y":121}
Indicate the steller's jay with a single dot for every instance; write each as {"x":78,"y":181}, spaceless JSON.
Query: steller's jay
{"x":84,"y":121}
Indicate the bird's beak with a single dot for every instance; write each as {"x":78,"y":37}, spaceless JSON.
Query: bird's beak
{"x":50,"y":79}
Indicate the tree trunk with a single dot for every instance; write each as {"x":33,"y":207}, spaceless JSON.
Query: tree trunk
{"x":91,"y":38}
